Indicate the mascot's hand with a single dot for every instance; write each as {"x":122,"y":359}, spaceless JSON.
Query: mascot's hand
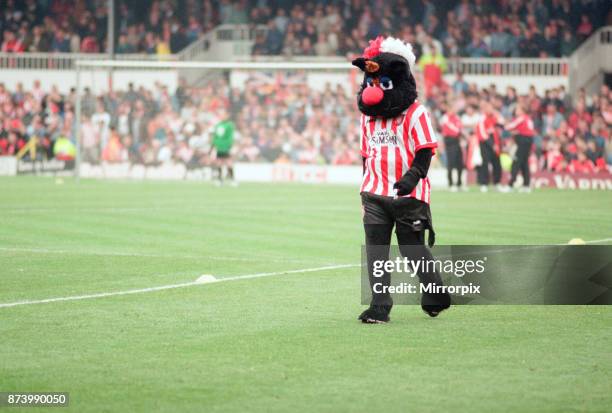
{"x":408,"y":182}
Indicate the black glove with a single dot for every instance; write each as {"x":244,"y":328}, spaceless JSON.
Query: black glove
{"x":418,"y":170}
{"x":405,"y":185}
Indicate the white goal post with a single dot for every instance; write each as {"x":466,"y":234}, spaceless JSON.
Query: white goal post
{"x":145,"y":65}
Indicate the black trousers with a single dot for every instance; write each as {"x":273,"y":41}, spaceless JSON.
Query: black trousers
{"x":411,"y":218}
{"x":489,"y":157}
{"x":521,"y":160}
{"x":454,"y":159}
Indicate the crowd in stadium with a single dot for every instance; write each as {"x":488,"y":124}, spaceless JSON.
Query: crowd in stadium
{"x":72,"y":26}
{"x":569,"y":135}
{"x":437,"y":29}
{"x":276,"y":123}
{"x":478,"y":28}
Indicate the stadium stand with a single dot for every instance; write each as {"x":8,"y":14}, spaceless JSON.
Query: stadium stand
{"x":480,"y":28}
{"x":157,"y":27}
{"x":454,"y":28}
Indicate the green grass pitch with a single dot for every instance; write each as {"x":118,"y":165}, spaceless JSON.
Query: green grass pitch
{"x":280,"y":343}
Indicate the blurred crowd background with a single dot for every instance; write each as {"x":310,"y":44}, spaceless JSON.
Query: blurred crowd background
{"x":288,"y":121}
{"x":437,"y":29}
{"x":277,"y":123}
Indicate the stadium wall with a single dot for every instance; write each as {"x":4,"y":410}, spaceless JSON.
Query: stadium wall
{"x":280,"y":173}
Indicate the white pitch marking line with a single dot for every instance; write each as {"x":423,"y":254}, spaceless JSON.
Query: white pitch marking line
{"x":597,"y":241}
{"x":203,"y":279}
{"x":208,"y":279}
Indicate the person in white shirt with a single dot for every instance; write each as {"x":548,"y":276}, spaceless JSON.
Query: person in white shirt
{"x":101,"y":120}
{"x":469,"y":120}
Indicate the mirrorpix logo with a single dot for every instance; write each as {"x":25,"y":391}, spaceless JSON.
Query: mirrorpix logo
{"x":458,"y":268}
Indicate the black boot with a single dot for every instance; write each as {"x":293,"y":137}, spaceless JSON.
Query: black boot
{"x":376,"y":314}
{"x":434,"y":304}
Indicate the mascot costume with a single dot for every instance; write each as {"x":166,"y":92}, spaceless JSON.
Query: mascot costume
{"x":397,"y":144}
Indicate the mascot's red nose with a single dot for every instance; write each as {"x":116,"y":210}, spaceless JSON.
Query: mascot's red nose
{"x":372,"y":95}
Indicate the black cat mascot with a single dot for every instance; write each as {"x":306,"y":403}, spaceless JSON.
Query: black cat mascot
{"x":397,"y":144}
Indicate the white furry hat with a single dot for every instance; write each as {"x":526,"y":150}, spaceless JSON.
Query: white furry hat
{"x":390,"y":45}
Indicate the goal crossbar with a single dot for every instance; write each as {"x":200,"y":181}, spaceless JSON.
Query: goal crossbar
{"x":109,"y":64}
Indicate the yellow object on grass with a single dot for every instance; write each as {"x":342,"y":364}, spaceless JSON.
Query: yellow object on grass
{"x":506,"y":162}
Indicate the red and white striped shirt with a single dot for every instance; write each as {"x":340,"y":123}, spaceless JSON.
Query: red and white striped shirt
{"x":487,"y":126}
{"x":388,"y":146}
{"x":523,"y":125}
{"x":451,"y":126}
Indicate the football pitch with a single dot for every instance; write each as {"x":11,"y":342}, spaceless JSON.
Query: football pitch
{"x":282,"y":335}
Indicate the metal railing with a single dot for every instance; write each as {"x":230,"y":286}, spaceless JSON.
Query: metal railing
{"x":226,"y":42}
{"x":472,"y":66}
{"x":64,"y":61}
{"x":516,"y":66}
{"x":196,"y":49}
{"x":239,"y":32}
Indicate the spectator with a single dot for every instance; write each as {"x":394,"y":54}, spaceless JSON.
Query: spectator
{"x":322,"y":47}
{"x":162,"y":47}
{"x":477,"y":47}
{"x":460,"y":85}
{"x":550,"y":43}
{"x":274,"y":39}
{"x":90,"y":139}
{"x":11,"y":43}
{"x":178,"y":39}
{"x":113,"y":150}
{"x":529,"y":46}
{"x":433,"y":65}
{"x":194,"y":30}
{"x":10,"y":145}
{"x":61,"y":42}
{"x":578,"y":115}
{"x":38,"y":42}
{"x":500,"y":40}
{"x":124,"y":46}
{"x":585,"y":28}
{"x":101,"y":121}
{"x":551,"y":121}
{"x":582,"y":164}
{"x":281,"y":20}
{"x":90,"y":45}
{"x":260,"y":47}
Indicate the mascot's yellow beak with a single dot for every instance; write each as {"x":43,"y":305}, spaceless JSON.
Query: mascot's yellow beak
{"x":371,"y":66}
